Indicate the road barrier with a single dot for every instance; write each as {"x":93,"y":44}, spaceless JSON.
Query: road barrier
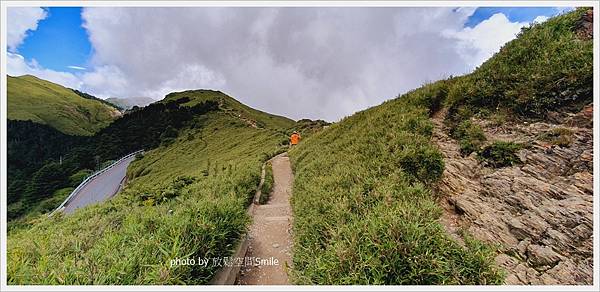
{"x":90,"y":178}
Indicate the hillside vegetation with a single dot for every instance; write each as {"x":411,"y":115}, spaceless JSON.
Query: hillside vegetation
{"x":44,"y":102}
{"x":549,"y":67}
{"x":364,"y":211}
{"x":185,"y":199}
{"x":43,"y":160}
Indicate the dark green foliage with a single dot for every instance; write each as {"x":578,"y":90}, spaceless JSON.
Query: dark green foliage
{"x":78,"y":177}
{"x":422,"y":162}
{"x":29,"y":146}
{"x":501,"y":154}
{"x":145,"y":128}
{"x":267,"y":185}
{"x":470,"y":137}
{"x":432,"y":95}
{"x":45,"y":181}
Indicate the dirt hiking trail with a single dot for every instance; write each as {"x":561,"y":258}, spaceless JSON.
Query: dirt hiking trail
{"x":270,"y":236}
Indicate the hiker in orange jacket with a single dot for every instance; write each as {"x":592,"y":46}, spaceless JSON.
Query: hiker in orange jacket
{"x":294,"y":139}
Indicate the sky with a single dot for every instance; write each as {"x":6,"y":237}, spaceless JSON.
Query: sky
{"x":310,"y":62}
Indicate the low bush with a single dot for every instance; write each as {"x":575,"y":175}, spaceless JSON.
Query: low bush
{"x":562,"y":137}
{"x":78,"y":177}
{"x":470,"y":137}
{"x":500,"y":154}
{"x":267,"y":185}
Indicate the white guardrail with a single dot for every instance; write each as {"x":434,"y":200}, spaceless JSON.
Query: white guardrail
{"x":90,"y":178}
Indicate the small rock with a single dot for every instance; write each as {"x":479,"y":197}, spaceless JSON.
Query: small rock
{"x":542,"y":255}
{"x":522,"y":247}
{"x":275,"y":245}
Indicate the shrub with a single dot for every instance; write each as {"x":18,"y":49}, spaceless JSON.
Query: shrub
{"x":470,"y":137}
{"x":501,"y":154}
{"x":45,"y":181}
{"x":78,"y":177}
{"x":423,"y":163}
{"x":160,"y":195}
{"x":267,"y":185}
{"x":562,"y":137}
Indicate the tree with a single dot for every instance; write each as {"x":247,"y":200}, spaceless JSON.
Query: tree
{"x":45,"y":181}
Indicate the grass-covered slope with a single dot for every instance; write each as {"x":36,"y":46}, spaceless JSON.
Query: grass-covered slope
{"x":363,"y":211}
{"x":256,"y":118}
{"x":548,"y":67}
{"x":185,"y":199}
{"x":44,"y":102}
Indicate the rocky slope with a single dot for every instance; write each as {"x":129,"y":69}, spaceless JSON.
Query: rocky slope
{"x":539,"y":213}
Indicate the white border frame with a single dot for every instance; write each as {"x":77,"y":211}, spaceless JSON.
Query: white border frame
{"x":3,"y":140}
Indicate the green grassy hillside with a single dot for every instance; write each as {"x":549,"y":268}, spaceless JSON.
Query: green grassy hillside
{"x":44,"y":102}
{"x":252,"y":116}
{"x":548,"y":67}
{"x":185,"y":198}
{"x":364,"y":211}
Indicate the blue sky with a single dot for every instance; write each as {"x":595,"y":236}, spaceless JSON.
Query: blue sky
{"x":514,"y":14}
{"x":60,"y":41}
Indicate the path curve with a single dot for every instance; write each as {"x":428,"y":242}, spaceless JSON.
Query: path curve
{"x":101,"y":188}
{"x":270,"y":238}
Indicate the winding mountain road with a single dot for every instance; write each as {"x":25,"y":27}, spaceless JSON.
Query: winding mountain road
{"x":101,"y":187}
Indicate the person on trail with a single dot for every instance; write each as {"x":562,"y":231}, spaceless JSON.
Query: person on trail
{"x":294,"y":139}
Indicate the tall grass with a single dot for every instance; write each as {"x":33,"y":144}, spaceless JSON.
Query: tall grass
{"x":41,"y":101}
{"x":364,"y":213}
{"x":267,"y":185}
{"x":185,"y":199}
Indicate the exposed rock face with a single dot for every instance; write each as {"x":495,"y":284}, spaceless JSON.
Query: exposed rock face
{"x":539,"y":212}
{"x":585,"y":26}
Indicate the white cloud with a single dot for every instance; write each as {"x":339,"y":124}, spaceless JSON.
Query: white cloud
{"x":106,"y":81}
{"x":540,"y":19}
{"x":479,"y":43}
{"x":76,"y":67}
{"x":16,"y":65}
{"x":298,"y":62}
{"x":21,"y":20}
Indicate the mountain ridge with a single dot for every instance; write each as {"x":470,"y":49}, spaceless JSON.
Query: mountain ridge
{"x":45,"y":102}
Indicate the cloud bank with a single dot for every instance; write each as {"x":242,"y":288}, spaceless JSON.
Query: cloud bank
{"x":299,"y":62}
{"x":21,"y":20}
